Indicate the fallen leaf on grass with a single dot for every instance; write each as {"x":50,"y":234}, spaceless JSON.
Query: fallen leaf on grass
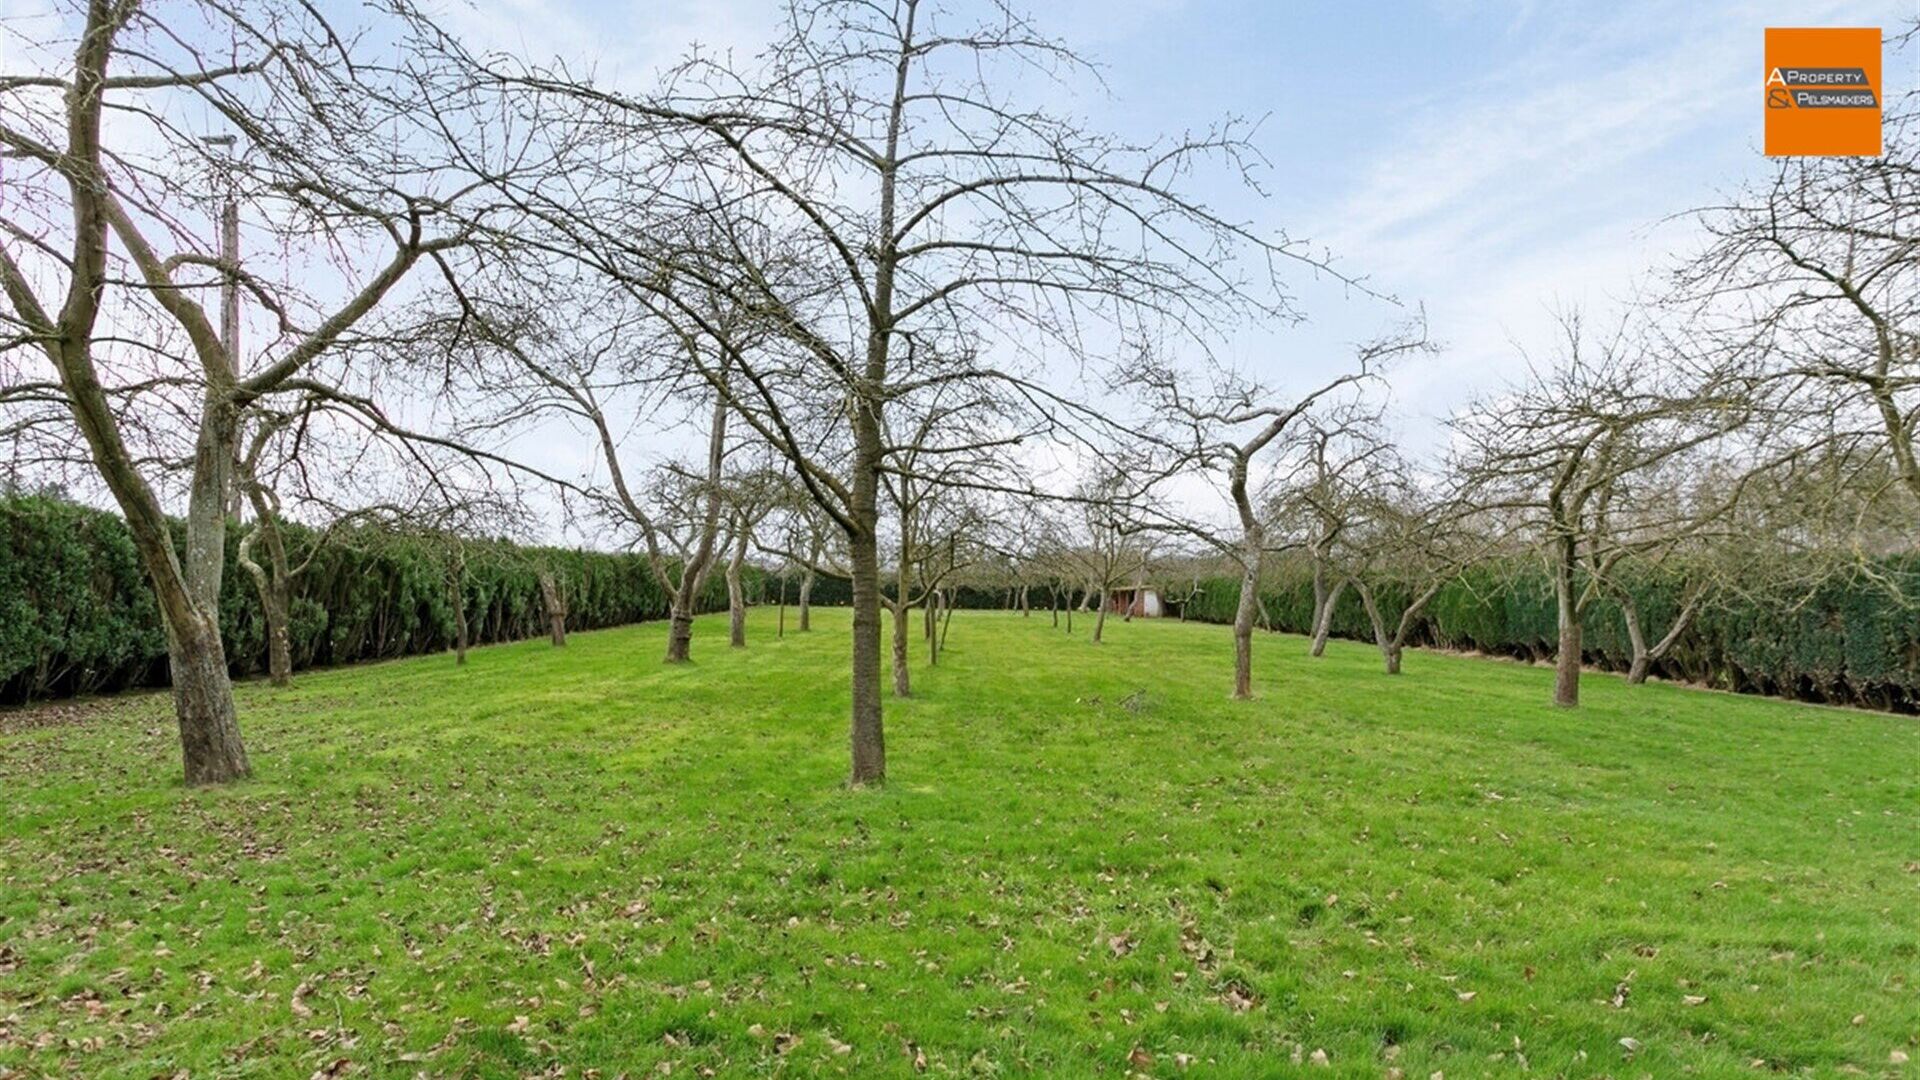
{"x":1238,"y":998}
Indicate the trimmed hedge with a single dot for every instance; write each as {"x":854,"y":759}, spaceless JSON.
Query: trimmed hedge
{"x":1848,"y":642}
{"x":77,"y":615}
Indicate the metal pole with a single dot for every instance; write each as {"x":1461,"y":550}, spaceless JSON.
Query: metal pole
{"x":229,"y":262}
{"x":230,"y":302}
{"x":230,"y":288}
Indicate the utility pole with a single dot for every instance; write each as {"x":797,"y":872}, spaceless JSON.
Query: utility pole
{"x":230,"y":298}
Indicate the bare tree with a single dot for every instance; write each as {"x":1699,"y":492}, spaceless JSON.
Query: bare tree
{"x":937,"y":454}
{"x":1224,"y":431}
{"x":802,"y":537}
{"x":915,"y":204}
{"x":1108,"y":542}
{"x":1557,"y":452}
{"x":1810,"y":285}
{"x":1347,"y":460}
{"x":1402,"y":541}
{"x":343,"y":463}
{"x":121,"y":329}
{"x":273,"y":582}
{"x":1049,"y":547}
{"x":564,"y":347}
{"x":750,"y":497}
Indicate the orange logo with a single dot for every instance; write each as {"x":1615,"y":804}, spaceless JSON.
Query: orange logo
{"x":1823,"y":91}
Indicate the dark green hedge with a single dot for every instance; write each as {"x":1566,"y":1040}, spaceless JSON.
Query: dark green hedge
{"x":77,"y":615}
{"x":1846,"y":642}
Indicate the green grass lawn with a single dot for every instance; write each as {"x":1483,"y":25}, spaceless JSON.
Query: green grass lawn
{"x":1087,"y":861}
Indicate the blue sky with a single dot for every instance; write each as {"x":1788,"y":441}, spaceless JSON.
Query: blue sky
{"x":1486,"y":161}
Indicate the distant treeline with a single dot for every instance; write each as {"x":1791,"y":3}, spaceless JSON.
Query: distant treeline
{"x":1846,"y":641}
{"x":77,"y":615}
{"x":831,"y":591}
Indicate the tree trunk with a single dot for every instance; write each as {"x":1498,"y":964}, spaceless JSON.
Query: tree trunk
{"x":782,"y":632}
{"x":1644,"y":655}
{"x":1319,"y":596}
{"x":206,"y":546}
{"x":1243,"y":617}
{"x":457,"y":599}
{"x":736,"y":591}
{"x":868,"y":733}
{"x":556,"y":608}
{"x":271,"y":585}
{"x":679,"y":635}
{"x":1566,"y":676}
{"x":202,"y":691}
{"x":462,"y":633}
{"x":203,"y":705}
{"x":933,"y":620}
{"x":806,"y":601}
{"x":279,"y":638}
{"x":1026,"y":610}
{"x":1323,"y":621}
{"x":1636,"y":638}
{"x":685,"y":594}
{"x":1100,"y":620}
{"x":868,"y":730}
{"x":279,"y":605}
{"x":902,"y":680}
{"x":210,"y":746}
{"x":1389,"y":647}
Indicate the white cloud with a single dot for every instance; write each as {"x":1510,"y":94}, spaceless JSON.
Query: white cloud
{"x":1549,"y":180}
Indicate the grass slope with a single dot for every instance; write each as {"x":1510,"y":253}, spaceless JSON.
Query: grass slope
{"x":577,"y":862}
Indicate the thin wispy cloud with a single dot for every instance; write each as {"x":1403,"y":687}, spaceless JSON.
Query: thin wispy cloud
{"x":1561,"y":175}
